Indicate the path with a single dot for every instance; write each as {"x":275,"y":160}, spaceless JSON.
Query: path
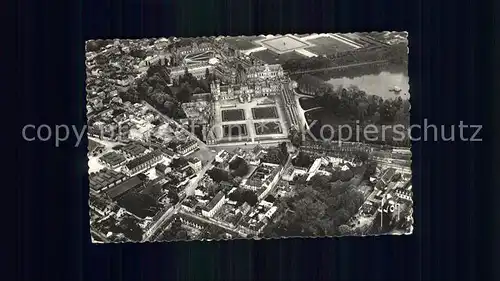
{"x":314,"y":108}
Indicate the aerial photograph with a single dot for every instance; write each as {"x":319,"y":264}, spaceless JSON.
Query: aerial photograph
{"x":249,"y":137}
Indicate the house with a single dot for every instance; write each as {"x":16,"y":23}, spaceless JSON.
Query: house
{"x":195,"y":163}
{"x":214,"y":205}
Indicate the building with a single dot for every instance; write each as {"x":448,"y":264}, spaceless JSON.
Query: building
{"x":121,"y":189}
{"x":195,"y":163}
{"x":198,"y":71}
{"x":162,"y":169}
{"x":245,"y":91}
{"x":222,"y":156}
{"x":105,"y":179}
{"x":100,"y":205}
{"x":189,"y":204}
{"x":187,"y":147}
{"x":112,"y":159}
{"x":142,"y":163}
{"x":214,"y":205}
{"x":403,"y":194}
{"x":388,"y":175}
{"x":264,"y":72}
{"x":133,"y":150}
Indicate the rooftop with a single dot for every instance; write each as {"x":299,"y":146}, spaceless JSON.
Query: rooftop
{"x":134,"y":149}
{"x":103,"y":178}
{"x":214,"y":201}
{"x":123,"y":187}
{"x":113,"y":158}
{"x":142,"y":159}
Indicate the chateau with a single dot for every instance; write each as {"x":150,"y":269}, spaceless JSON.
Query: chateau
{"x":258,"y":81}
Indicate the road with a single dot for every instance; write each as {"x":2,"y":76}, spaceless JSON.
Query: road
{"x":171,"y":211}
{"x":194,"y":182}
{"x":336,"y":67}
{"x":153,"y":231}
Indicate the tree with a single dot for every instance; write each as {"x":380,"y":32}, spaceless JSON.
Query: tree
{"x":219,"y":175}
{"x":131,"y":229}
{"x":214,"y":189}
{"x":344,"y":229}
{"x":241,"y":170}
{"x":173,"y":196}
{"x":302,"y":160}
{"x":346,"y":175}
{"x":295,"y":137}
{"x":320,"y":181}
{"x":371,"y":168}
{"x":184,"y":95}
{"x":243,"y":196}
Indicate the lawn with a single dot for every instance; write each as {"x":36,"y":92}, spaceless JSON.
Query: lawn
{"x":241,"y":43}
{"x":264,"y":112}
{"x":268,"y":128}
{"x":233,"y":115}
{"x":235,"y":130}
{"x":328,"y":46}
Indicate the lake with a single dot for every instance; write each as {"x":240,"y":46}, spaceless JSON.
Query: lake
{"x":377,"y":84}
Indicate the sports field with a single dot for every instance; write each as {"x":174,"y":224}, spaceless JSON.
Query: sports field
{"x":233,"y":115}
{"x":269,"y":112}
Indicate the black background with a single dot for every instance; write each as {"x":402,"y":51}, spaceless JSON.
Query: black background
{"x":451,"y":78}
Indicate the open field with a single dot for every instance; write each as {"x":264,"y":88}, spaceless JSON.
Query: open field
{"x":268,"y":128}
{"x":267,"y":56}
{"x":242,"y":43}
{"x":328,"y":46}
{"x":233,"y":115}
{"x":283,"y":44}
{"x":268,"y":112}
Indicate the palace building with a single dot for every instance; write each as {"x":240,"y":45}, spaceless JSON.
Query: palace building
{"x":245,"y":91}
